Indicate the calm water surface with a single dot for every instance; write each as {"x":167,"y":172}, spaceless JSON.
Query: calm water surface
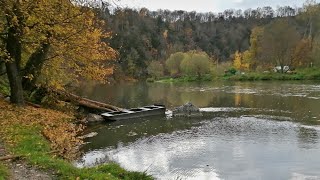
{"x":249,"y":130}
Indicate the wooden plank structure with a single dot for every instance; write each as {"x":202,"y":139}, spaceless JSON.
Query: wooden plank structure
{"x":114,"y":113}
{"x":152,"y":110}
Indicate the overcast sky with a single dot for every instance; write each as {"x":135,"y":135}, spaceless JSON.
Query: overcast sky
{"x":207,"y":5}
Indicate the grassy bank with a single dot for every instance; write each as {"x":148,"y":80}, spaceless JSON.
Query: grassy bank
{"x":203,"y":78}
{"x":4,"y":172}
{"x":301,"y":74}
{"x":34,"y":133}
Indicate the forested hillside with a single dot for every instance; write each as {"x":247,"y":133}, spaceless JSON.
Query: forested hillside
{"x":142,"y":36}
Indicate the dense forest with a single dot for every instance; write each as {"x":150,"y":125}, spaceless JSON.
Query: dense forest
{"x":142,"y":36}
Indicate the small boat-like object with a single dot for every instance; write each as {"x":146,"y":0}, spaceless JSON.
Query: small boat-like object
{"x":152,"y":110}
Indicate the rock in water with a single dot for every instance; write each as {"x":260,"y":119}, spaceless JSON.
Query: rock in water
{"x":187,"y":110}
{"x":90,"y":135}
{"x":93,"y":118}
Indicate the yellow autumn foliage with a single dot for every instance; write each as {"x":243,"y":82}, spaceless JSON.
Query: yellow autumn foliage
{"x":56,"y":126}
{"x":239,"y":62}
{"x":78,"y":48}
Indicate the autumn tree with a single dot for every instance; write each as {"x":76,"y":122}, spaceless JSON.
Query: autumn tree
{"x":241,"y":60}
{"x":51,"y":42}
{"x":12,"y":19}
{"x":237,"y":60}
{"x":250,"y":56}
{"x":315,"y":54}
{"x":277,"y":43}
{"x":196,"y":63}
{"x":173,"y":63}
{"x":155,"y":69}
{"x":301,"y":56}
{"x":310,"y":18}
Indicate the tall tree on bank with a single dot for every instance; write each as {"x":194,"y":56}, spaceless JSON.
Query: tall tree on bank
{"x":11,"y":35}
{"x":278,"y":42}
{"x":42,"y":40}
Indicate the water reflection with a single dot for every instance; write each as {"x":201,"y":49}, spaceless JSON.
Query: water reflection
{"x":300,"y":99}
{"x":248,"y":131}
{"x":226,"y":148}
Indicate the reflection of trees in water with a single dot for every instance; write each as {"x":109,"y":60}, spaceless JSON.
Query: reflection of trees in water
{"x":307,"y":137}
{"x":199,"y":99}
{"x":173,"y":97}
{"x":277,"y":96}
{"x":157,"y":93}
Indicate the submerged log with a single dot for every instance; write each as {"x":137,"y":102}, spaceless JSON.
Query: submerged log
{"x":84,"y":102}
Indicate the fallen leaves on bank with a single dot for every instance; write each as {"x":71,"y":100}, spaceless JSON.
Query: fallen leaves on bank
{"x":56,"y":126}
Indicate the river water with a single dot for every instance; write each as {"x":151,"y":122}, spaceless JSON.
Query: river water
{"x":249,"y":130}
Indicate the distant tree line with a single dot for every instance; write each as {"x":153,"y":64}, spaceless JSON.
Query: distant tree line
{"x":286,"y":41}
{"x":143,"y":36}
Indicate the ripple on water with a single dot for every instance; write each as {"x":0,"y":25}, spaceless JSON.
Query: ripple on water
{"x":222,"y":148}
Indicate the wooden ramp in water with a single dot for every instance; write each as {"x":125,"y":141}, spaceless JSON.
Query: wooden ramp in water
{"x":152,"y":110}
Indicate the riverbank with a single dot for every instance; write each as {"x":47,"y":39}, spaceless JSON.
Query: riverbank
{"x":203,"y":78}
{"x":303,"y":74}
{"x":47,"y":140}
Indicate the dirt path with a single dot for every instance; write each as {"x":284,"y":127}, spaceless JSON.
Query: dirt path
{"x":20,"y":170}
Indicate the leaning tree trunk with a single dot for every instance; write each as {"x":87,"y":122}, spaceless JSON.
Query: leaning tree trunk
{"x":34,"y":66}
{"x":12,"y":66}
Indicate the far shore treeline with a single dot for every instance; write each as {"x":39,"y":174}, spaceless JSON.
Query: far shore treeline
{"x":49,"y":45}
{"x":254,"y":40}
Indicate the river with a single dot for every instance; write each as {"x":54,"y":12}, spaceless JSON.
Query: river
{"x":251,"y":130}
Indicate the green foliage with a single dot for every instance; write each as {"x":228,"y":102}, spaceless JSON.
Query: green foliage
{"x":196,"y":64}
{"x":206,"y":77}
{"x":192,"y":63}
{"x":278,"y":41}
{"x":150,"y":80}
{"x":35,"y":148}
{"x":230,"y":72}
{"x":173,"y":63}
{"x":4,"y":86}
{"x":310,"y":73}
{"x":302,"y":74}
{"x":4,"y":172}
{"x":131,"y":58}
{"x":158,"y":34}
{"x":155,"y":69}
